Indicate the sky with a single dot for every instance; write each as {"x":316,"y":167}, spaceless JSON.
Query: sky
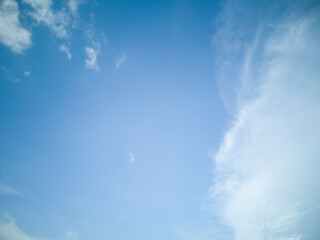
{"x":152,"y":120}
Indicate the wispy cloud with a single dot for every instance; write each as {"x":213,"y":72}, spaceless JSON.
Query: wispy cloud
{"x":131,"y":157}
{"x":72,"y":235}
{"x":120,"y":60}
{"x":266,"y":180}
{"x":205,"y":232}
{"x":17,"y":38}
{"x":8,"y":74}
{"x":73,"y":5}
{"x":65,"y":49}
{"x":27,"y":73}
{"x":91,"y":58}
{"x":12,"y":34}
{"x":43,"y":13}
{"x":5,"y":189}
{"x":92,"y":51}
{"x":10,"y":231}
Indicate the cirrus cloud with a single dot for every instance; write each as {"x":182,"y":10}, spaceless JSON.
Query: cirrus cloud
{"x":266,"y":182}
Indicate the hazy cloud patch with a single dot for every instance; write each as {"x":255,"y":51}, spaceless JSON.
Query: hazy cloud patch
{"x":27,"y":73}
{"x":131,"y":157}
{"x":10,"y":231}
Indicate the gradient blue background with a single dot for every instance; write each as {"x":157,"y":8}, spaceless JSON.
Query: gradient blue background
{"x":66,"y":131}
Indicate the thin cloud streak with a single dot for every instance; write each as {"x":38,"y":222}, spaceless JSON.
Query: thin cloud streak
{"x":6,"y":190}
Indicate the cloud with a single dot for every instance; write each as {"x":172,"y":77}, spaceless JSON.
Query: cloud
{"x":17,"y":38}
{"x":104,"y":38}
{"x":73,"y":5}
{"x":6,"y":190}
{"x":27,"y":73}
{"x":10,"y":231}
{"x":42,"y":12}
{"x":266,"y":173}
{"x":8,"y":74}
{"x":72,"y":235}
{"x":131,"y":157}
{"x":120,"y":60}
{"x":91,"y":58}
{"x":65,"y":49}
{"x":93,"y":51}
{"x":12,"y":34}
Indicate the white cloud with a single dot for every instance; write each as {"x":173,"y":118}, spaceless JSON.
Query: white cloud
{"x":27,"y":73}
{"x":65,"y":49}
{"x":131,"y":157}
{"x":73,"y":5}
{"x":266,"y":175}
{"x":12,"y":34}
{"x":10,"y":231}
{"x":120,"y":60}
{"x":93,"y":51}
{"x":72,"y":235}
{"x":91,"y":60}
{"x":42,"y":12}
{"x":4,"y":189}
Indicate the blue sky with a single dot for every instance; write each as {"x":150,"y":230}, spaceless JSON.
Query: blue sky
{"x":182,"y":120}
